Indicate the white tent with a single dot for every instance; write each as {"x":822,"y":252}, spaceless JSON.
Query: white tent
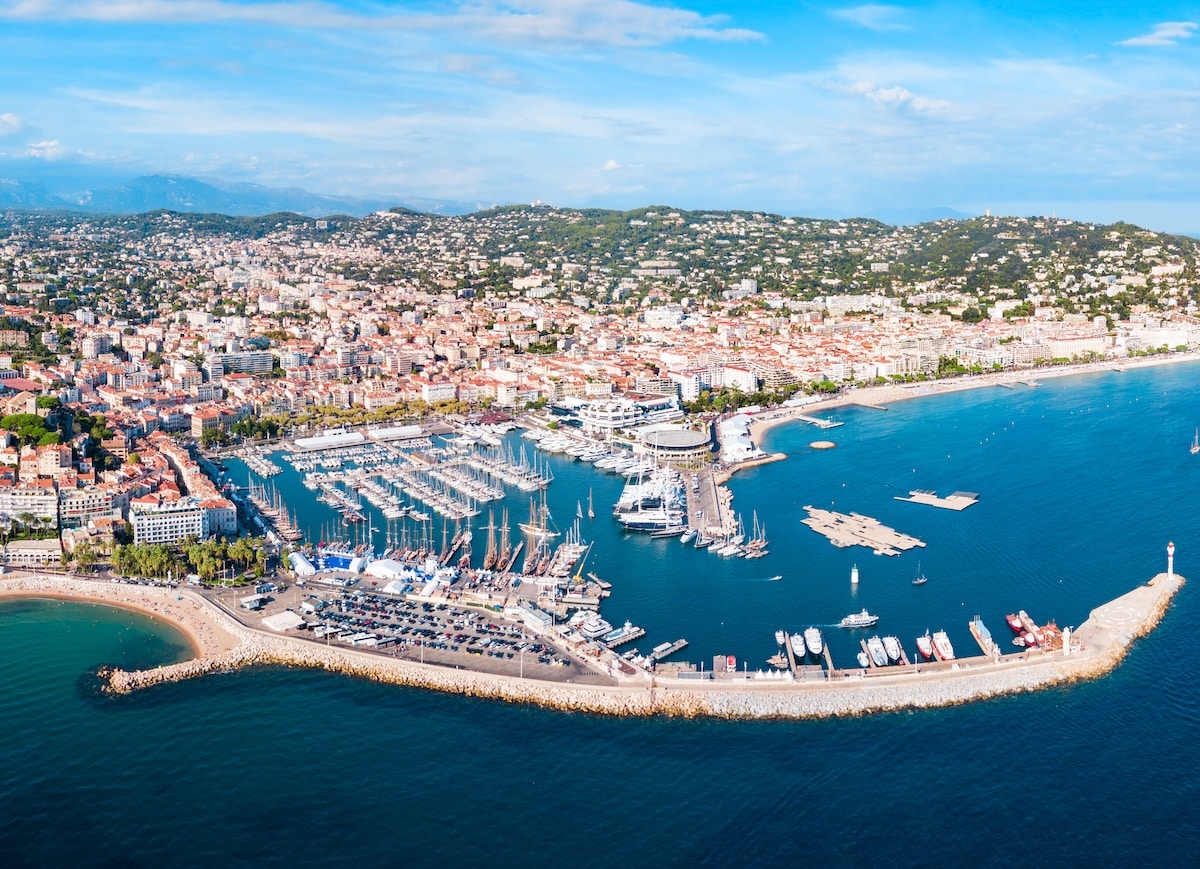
{"x":284,"y":621}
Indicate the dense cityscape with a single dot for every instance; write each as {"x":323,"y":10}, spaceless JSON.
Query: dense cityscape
{"x":127,"y":338}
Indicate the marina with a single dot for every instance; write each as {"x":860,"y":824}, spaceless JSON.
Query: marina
{"x":392,"y":495}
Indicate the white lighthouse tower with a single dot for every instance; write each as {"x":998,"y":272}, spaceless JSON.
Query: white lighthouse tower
{"x":1170,"y":560}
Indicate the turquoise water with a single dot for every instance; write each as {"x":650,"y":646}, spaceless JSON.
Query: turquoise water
{"x":1081,"y":481}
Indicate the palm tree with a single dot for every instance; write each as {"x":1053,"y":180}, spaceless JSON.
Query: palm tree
{"x":85,"y":556}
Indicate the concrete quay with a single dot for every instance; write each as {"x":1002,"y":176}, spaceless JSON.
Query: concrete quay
{"x":854,"y":529}
{"x":223,"y":644}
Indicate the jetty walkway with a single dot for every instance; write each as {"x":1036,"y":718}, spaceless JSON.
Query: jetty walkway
{"x":222,"y":643}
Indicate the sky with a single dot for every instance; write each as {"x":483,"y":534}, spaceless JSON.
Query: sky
{"x":1087,"y":110}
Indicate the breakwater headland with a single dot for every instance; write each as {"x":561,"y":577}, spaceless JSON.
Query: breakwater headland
{"x":222,"y":644}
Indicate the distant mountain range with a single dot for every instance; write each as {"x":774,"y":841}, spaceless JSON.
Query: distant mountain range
{"x":72,"y":190}
{"x":180,"y":193}
{"x":913,"y":216}
{"x":77,"y":187}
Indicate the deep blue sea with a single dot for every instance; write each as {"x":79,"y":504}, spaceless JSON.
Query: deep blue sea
{"x":1081,"y":482}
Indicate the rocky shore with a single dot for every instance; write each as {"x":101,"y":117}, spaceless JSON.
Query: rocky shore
{"x":224,"y":644}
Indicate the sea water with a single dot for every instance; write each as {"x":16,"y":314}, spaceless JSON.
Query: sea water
{"x":1081,"y":482}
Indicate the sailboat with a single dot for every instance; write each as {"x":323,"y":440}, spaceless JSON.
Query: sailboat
{"x":920,"y":578}
{"x":591,"y":512}
{"x":578,"y":510}
{"x":1196,"y":443}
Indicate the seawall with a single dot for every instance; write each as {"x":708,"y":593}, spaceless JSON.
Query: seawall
{"x":1103,"y":641}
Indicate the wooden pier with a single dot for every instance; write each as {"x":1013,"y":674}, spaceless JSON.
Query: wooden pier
{"x":818,"y":422}
{"x":791,"y":655}
{"x":828,"y":661}
{"x":983,"y":636}
{"x":666,"y":649}
{"x":634,"y":634}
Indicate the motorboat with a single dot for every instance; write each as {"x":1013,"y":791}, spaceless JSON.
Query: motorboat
{"x":878,"y":653}
{"x":942,"y":647}
{"x":925,"y":646}
{"x":891,"y":645}
{"x":814,"y":641}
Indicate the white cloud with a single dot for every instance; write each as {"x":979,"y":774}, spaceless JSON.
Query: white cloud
{"x":611,"y":165}
{"x":545,"y":24}
{"x":1167,"y":33}
{"x":9,"y":124}
{"x":48,"y":150}
{"x":606,"y":22}
{"x":897,"y":97}
{"x":873,"y":16}
{"x":302,"y":14}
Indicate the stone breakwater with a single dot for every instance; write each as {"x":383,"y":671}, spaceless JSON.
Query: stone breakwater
{"x":1104,"y":640}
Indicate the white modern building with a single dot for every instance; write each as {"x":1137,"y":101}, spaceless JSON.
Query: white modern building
{"x":171,"y":522}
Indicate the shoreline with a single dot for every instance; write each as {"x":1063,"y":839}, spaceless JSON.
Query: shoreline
{"x":882,"y":396}
{"x":223,"y":644}
{"x":204,"y":635}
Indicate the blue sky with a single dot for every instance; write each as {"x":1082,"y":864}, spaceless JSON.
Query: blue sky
{"x":1087,"y":110}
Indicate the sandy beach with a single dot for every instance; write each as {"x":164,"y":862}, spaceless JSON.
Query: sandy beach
{"x":884,"y":396}
{"x":206,"y":632}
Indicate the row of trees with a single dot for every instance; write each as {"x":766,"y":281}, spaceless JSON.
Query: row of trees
{"x":730,"y":399}
{"x":207,"y":559}
{"x":27,"y":526}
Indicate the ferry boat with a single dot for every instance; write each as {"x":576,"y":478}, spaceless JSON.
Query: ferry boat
{"x":814,"y":641}
{"x":879,"y":656}
{"x":925,"y":646}
{"x":858,"y":620}
{"x":891,"y":645}
{"x":942,"y":647}
{"x":1014,"y":623}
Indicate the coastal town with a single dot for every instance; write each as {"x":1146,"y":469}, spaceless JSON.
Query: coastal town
{"x":387,"y":359}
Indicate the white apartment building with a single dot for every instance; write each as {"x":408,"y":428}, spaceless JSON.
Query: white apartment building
{"x":168,"y":523}
{"x":77,"y":506}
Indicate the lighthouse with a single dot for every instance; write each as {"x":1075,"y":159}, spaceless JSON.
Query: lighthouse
{"x":854,"y":575}
{"x":1170,"y":560}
